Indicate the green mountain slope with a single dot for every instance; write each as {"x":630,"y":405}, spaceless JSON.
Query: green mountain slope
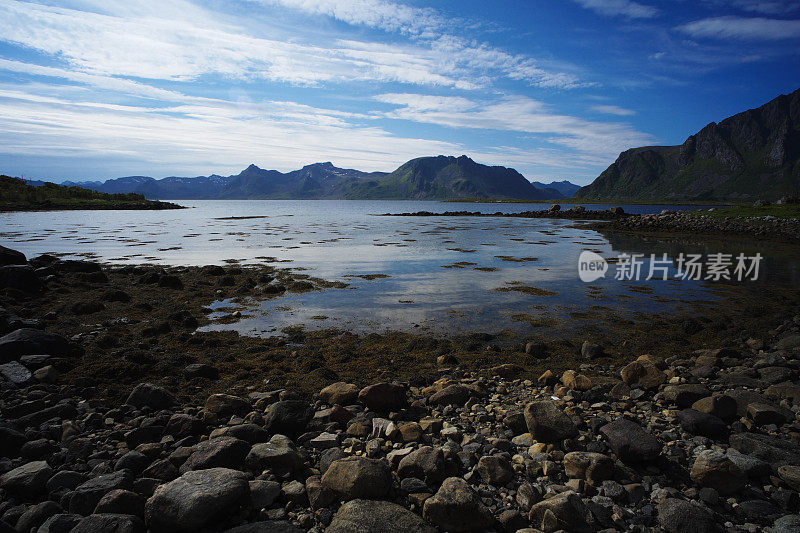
{"x":749,"y":156}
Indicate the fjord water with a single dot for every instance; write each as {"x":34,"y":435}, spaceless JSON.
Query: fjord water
{"x":437,"y":274}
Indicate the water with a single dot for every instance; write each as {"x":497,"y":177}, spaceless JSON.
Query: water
{"x":435,"y":274}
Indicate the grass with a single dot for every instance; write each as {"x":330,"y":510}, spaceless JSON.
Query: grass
{"x":777,"y":211}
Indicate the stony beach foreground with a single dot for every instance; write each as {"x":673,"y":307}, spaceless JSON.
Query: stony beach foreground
{"x":700,"y":440}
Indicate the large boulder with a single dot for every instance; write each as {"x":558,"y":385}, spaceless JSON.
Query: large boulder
{"x":548,"y":423}
{"x":27,"y":480}
{"x":713,"y":469}
{"x":28,"y":341}
{"x":339,"y":393}
{"x":152,"y":396}
{"x":495,"y":470}
{"x":288,"y":417}
{"x":383,"y":397}
{"x":565,"y":511}
{"x":456,"y":507}
{"x":354,"y":478}
{"x":223,"y":452}
{"x":426,"y":463}
{"x":366,"y":516}
{"x":196,"y":500}
{"x":11,"y":257}
{"x":678,"y":516}
{"x":630,"y":441}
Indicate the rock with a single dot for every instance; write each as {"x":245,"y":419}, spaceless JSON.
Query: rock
{"x":120,"y":501}
{"x":181,"y":425}
{"x":200,"y":370}
{"x":110,"y":523}
{"x":46,"y":374}
{"x":451,"y":395}
{"x":288,"y":417}
{"x":575,"y":381}
{"x":590,"y":351}
{"x":704,"y":424}
{"x":410,"y":431}
{"x":278,"y":454}
{"x":270,"y":526}
{"x":224,"y":452}
{"x":719,"y":405}
{"x":65,"y":479}
{"x":11,"y":257}
{"x":536,"y":349}
{"x":20,"y":277}
{"x":15,"y":373}
{"x":196,"y":500}
{"x":751,"y":466}
{"x":88,"y":494}
{"x":318,"y":497}
{"x":686,"y":394}
{"x":220,"y":407}
{"x":152,"y":396}
{"x":713,"y":469}
{"x":27,"y":480}
{"x":643,"y":374}
{"x":366,"y":516}
{"x":170,"y":282}
{"x":762,"y":414}
{"x":456,"y":507}
{"x":630,"y":441}
{"x":60,"y":523}
{"x":773,"y":450}
{"x":547,"y":423}
{"x":426,"y":463}
{"x":354,"y":478}
{"x":87,"y":308}
{"x":787,"y":524}
{"x":263,"y":493}
{"x":507,"y":371}
{"x":162,"y":469}
{"x":339,"y":393}
{"x":36,"y":515}
{"x":495,"y":470}
{"x":295,"y":492}
{"x":11,"y":441}
{"x":591,"y":466}
{"x":790,"y":475}
{"x":565,"y":511}
{"x":383,"y":397}
{"x":789,"y":342}
{"x":678,"y":516}
{"x":28,"y":341}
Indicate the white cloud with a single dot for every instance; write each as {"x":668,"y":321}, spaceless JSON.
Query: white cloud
{"x":625,"y":8}
{"x":731,"y":27}
{"x":768,"y":7}
{"x":518,"y":114}
{"x":613,"y":110}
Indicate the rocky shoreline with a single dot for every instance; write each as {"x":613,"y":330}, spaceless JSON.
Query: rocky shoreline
{"x":577,"y":212}
{"x":766,"y":227}
{"x":700,"y":440}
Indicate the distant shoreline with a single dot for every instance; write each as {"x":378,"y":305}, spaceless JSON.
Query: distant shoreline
{"x":149,"y":205}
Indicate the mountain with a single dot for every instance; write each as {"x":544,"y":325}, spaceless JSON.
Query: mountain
{"x":565,"y":188}
{"x":429,"y":178}
{"x":447,"y":177}
{"x":749,"y":156}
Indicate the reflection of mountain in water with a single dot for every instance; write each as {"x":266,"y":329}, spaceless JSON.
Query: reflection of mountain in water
{"x":780,"y":264}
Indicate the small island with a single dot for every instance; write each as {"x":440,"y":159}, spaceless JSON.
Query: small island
{"x":16,"y":195}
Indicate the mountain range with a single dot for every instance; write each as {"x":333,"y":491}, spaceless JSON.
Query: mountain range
{"x":425,"y":178}
{"x":754,"y":155}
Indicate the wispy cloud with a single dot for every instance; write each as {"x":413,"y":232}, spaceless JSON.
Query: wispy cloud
{"x":613,"y":110}
{"x":731,"y":27}
{"x":625,"y":8}
{"x":767,"y":7}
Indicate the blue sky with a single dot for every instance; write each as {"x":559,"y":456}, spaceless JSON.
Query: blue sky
{"x":556,"y":89}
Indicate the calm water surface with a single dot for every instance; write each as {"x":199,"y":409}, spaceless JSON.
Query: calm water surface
{"x":442,"y":274}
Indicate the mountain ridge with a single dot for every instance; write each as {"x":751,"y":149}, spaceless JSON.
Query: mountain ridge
{"x":752,"y":155}
{"x":425,"y":178}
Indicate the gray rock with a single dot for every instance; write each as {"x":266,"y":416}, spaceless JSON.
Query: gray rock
{"x":28,"y":341}
{"x":365,"y":516}
{"x":383,"y":397}
{"x":494,"y":470}
{"x":774,"y":450}
{"x":152,"y":396}
{"x":65,"y":479}
{"x":790,"y":475}
{"x":120,"y":501}
{"x":196,"y":500}
{"x":678,"y":516}
{"x":269,"y":526}
{"x":279,"y":454}
{"x":591,"y":466}
{"x":200,"y":370}
{"x":630,"y":441}
{"x":426,"y":463}
{"x":288,"y":417}
{"x":565,"y":511}
{"x":15,"y":373}
{"x":590,"y":350}
{"x":456,"y":507}
{"x":787,"y":524}
{"x":355,"y":478}
{"x":264,"y":493}
{"x":686,"y":394}
{"x":110,"y":523}
{"x":36,"y":515}
{"x":9,"y":256}
{"x":547,"y":423}
{"x":11,"y":442}
{"x":751,"y":466}
{"x":86,"y":496}
{"x":452,"y":395}
{"x":704,"y":424}
{"x":60,"y":523}
{"x":720,"y":405}
{"x":220,"y":407}
{"x":221,"y":452}
{"x":340,"y":393}
{"x":27,"y":480}
{"x":713,"y":469}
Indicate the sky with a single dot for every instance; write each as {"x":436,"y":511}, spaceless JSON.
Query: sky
{"x":96,"y":89}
